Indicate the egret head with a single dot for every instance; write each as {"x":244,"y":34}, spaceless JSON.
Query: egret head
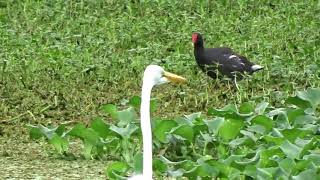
{"x":156,"y":75}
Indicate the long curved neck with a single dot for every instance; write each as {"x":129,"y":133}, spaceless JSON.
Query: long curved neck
{"x":146,"y":130}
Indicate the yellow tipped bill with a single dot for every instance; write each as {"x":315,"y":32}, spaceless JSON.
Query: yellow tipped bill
{"x":174,"y":78}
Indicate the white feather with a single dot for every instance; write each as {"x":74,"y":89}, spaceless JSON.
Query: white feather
{"x":256,"y":67}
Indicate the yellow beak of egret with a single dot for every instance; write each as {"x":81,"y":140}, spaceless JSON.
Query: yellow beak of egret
{"x":174,"y":78}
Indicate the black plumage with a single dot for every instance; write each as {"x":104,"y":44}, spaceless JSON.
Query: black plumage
{"x":221,"y":59}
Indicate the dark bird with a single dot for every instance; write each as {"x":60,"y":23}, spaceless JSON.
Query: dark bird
{"x":222,"y":60}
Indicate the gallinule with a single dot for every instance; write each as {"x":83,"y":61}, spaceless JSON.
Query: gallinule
{"x":222,"y":60}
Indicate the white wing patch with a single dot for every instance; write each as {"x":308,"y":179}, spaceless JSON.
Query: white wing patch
{"x":233,"y":56}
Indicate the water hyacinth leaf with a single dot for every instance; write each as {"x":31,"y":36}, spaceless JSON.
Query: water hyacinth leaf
{"x":298,"y":102}
{"x":275,"y":140}
{"x":184,"y":131}
{"x":162,"y":128}
{"x":313,"y":157}
{"x":294,"y":113}
{"x":126,"y":131}
{"x":230,"y":129}
{"x":215,"y":124}
{"x":35,"y":132}
{"x":310,"y":174}
{"x":312,"y":95}
{"x":137,"y":163}
{"x":159,"y":166}
{"x":251,"y":171}
{"x":110,"y":109}
{"x":77,"y":130}
{"x":287,"y":165}
{"x":266,"y":154}
{"x":116,"y":168}
{"x":135,"y":101}
{"x":293,"y":134}
{"x":206,"y":170}
{"x":249,"y":135}
{"x":246,"y":108}
{"x":228,"y":109}
{"x":49,"y":133}
{"x":60,"y":130}
{"x":193,"y":116}
{"x":261,"y":107}
{"x":306,"y":145}
{"x":250,"y":161}
{"x":101,"y":128}
{"x":60,"y":144}
{"x":305,"y":119}
{"x":291,"y":150}
{"x":257,"y":129}
{"x":176,"y":173}
{"x":87,"y":150}
{"x":264,"y":121}
{"x":238,"y":141}
{"x":282,"y":121}
{"x":233,"y":158}
{"x":126,"y":116}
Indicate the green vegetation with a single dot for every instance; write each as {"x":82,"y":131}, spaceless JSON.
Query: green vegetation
{"x":61,"y":61}
{"x":257,"y":141}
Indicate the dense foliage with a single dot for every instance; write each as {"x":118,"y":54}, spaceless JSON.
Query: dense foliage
{"x":249,"y":140}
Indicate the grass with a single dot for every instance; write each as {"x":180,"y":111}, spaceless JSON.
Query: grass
{"x":61,"y":60}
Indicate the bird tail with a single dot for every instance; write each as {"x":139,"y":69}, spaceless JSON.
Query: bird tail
{"x":256,"y":67}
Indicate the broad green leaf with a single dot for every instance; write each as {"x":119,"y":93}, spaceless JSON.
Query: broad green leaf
{"x":126,"y":116}
{"x":264,"y":121}
{"x":192,"y":117}
{"x":116,"y":168}
{"x":159,"y":166}
{"x":249,"y":135}
{"x":206,"y":170}
{"x":230,"y":129}
{"x":35,"y":132}
{"x":246,"y":108}
{"x":228,"y":109}
{"x":312,"y":95}
{"x":251,"y":171}
{"x":184,"y":131}
{"x":137,"y":163}
{"x":60,"y":144}
{"x":261,"y":107}
{"x":266,"y":154}
{"x":287,"y":165}
{"x":315,"y":158}
{"x":282,"y":121}
{"x":101,"y":128}
{"x":305,"y":119}
{"x":309,"y":174}
{"x":60,"y":129}
{"x":215,"y":124}
{"x":291,"y":150}
{"x":276,"y":140}
{"x":298,"y":102}
{"x":135,"y":101}
{"x":294,"y":113}
{"x":110,"y":109}
{"x":126,"y":131}
{"x":223,"y":168}
{"x":306,"y":145}
{"x":162,"y":128}
{"x":238,"y":141}
{"x":86,"y":134}
{"x":87,"y":150}
{"x":257,"y":129}
{"x":293,"y":134}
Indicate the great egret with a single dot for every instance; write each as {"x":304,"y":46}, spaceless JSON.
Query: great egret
{"x":153,"y":75}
